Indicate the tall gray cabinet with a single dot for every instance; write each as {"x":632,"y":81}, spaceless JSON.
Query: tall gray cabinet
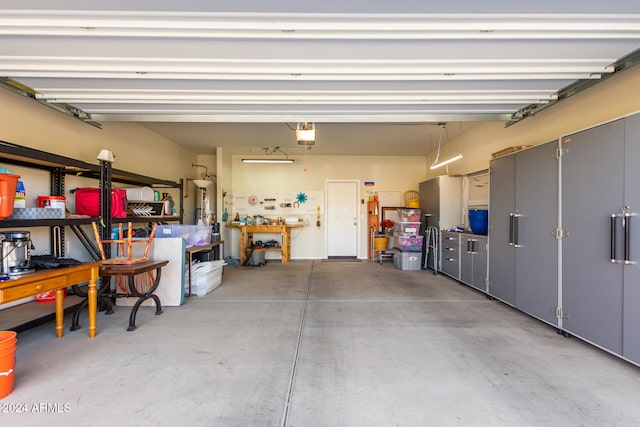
{"x":441,"y":205}
{"x":523,"y":244}
{"x":600,"y":255}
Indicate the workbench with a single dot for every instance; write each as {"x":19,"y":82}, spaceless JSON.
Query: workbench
{"x":247,"y":231}
{"x":57,"y":279}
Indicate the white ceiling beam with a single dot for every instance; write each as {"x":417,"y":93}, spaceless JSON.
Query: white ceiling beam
{"x":372,"y":101}
{"x":17,"y":74}
{"x":313,"y":25}
{"x":266,"y":117}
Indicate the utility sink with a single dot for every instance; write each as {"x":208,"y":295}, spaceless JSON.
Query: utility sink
{"x":202,"y":183}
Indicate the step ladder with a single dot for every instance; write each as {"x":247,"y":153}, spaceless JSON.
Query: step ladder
{"x":431,"y":247}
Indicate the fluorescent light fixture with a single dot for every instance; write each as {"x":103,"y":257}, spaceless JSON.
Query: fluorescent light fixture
{"x":436,"y":163}
{"x":446,"y":162}
{"x":267,"y":160}
{"x":306,"y":133}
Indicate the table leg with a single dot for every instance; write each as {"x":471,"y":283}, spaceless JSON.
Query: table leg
{"x":59,"y":312}
{"x":189,"y":273}
{"x":243,"y":245}
{"x":286,"y":246}
{"x":93,"y":302}
{"x":133,"y":290}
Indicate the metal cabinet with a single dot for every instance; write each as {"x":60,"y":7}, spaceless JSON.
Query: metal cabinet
{"x":502,"y":205}
{"x":523,"y":218}
{"x":450,"y":254}
{"x":441,"y":204}
{"x":595,"y":255}
{"x":473,"y":261}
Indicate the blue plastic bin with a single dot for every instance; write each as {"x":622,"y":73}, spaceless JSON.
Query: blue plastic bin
{"x":479,"y":220}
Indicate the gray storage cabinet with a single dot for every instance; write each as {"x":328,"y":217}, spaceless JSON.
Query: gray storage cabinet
{"x":450,"y":254}
{"x":600,"y":275}
{"x":473,"y":261}
{"x":523,"y":218}
{"x":441,"y":205}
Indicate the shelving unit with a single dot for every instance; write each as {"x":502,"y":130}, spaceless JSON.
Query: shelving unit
{"x":59,"y":167}
{"x":373,"y":215}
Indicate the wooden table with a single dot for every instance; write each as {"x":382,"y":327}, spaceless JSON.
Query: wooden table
{"x":247,"y":231}
{"x":56,"y":279}
{"x":130,"y":271}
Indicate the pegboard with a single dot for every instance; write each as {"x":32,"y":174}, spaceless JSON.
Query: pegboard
{"x":277,"y":203}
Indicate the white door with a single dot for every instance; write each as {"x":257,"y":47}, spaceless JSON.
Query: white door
{"x":342,"y":218}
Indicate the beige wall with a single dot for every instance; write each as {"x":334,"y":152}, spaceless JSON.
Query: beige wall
{"x":137,"y":150}
{"x":390,"y":173}
{"x":616,"y":97}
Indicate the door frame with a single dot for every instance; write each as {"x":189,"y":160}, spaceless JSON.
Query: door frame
{"x":327,"y":182}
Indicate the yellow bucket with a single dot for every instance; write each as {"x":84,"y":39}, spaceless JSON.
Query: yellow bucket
{"x":380,"y":243}
{"x":413,"y":203}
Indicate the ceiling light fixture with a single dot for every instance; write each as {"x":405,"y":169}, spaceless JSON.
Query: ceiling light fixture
{"x":306,"y":133}
{"x":267,"y":160}
{"x":270,"y":151}
{"x":436,"y":163}
{"x":446,"y":162}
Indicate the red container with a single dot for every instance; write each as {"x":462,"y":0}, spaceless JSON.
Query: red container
{"x":8,"y":183}
{"x":48,"y":296}
{"x":52,"y":202}
{"x":88,"y":202}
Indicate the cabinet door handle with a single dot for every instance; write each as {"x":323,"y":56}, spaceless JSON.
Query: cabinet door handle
{"x":511,"y":229}
{"x":627,"y":237}
{"x":613,"y":219}
{"x":516,"y":226}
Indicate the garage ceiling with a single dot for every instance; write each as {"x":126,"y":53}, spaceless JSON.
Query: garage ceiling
{"x":375,"y":76}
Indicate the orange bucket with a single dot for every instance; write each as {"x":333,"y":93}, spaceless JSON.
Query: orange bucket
{"x":7,"y":339}
{"x":8,"y":184}
{"x":7,"y":362}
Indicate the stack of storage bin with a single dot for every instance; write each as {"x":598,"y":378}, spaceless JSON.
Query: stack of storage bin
{"x":407,"y":241}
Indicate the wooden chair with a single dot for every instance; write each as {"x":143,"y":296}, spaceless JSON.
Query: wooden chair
{"x":126,"y":253}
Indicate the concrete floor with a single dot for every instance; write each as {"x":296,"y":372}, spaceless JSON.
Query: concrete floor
{"x":313,"y":343}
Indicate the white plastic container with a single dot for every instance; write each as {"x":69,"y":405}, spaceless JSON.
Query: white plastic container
{"x":206,"y":276}
{"x":140,"y":193}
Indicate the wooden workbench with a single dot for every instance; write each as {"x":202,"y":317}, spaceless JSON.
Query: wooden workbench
{"x":247,"y":231}
{"x":56,"y":279}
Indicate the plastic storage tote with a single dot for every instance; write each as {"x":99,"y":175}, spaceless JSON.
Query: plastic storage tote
{"x":408,"y":243}
{"x":407,"y":260}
